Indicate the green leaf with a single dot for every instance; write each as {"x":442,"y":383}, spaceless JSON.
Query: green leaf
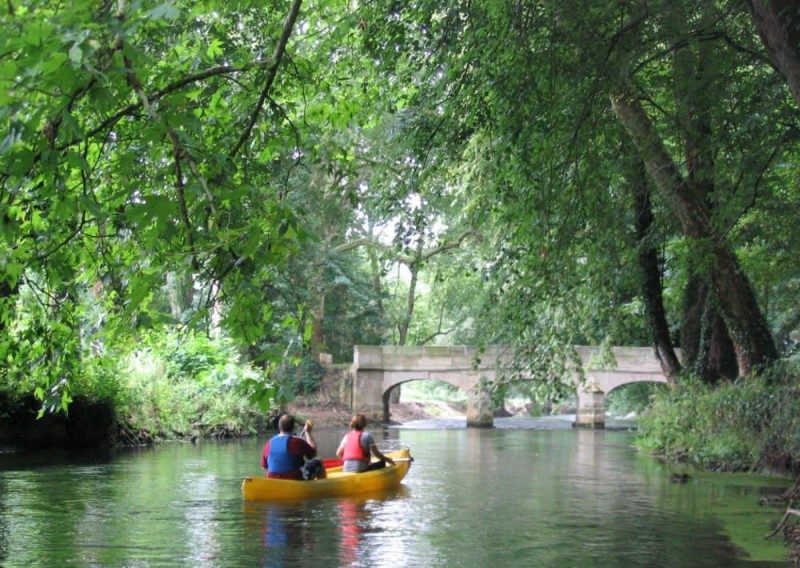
{"x":56,"y":60}
{"x":75,"y":160}
{"x":214,"y":49}
{"x":38,"y":223}
{"x":65,"y":400}
{"x":165,"y":11}
{"x":22,"y":162}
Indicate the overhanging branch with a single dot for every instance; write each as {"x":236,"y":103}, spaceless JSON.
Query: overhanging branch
{"x":280,"y":49}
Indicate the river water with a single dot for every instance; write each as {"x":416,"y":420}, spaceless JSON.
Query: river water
{"x":527,"y":493}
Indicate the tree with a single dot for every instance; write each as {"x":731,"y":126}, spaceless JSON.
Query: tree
{"x":139,"y":139}
{"x":778,"y":24}
{"x":649,"y":264}
{"x":526,"y":84}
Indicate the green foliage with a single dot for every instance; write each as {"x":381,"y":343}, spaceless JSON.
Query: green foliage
{"x":740,"y":425}
{"x":126,"y":155}
{"x":182,"y":384}
{"x":470,"y":142}
{"x":195,"y":356}
{"x":514,"y":97}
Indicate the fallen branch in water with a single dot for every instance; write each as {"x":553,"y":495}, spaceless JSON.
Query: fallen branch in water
{"x":789,"y":511}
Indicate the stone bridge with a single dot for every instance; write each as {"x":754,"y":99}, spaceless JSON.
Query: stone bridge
{"x":377,"y":370}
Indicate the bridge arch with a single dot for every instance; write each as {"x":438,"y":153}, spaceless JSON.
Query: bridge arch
{"x":387,"y":393}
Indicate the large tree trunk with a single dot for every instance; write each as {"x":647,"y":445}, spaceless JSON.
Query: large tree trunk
{"x":706,"y":345}
{"x":180,"y":293}
{"x":709,"y":347}
{"x":216,"y":309}
{"x":405,"y":322}
{"x":746,"y":323}
{"x":375,"y":267}
{"x":694,"y":301}
{"x":719,"y":350}
{"x":413,"y":265}
{"x":778,"y":24}
{"x":648,"y":260}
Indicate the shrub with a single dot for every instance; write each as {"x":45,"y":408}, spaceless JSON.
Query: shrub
{"x":188,"y":384}
{"x":744,"y":424}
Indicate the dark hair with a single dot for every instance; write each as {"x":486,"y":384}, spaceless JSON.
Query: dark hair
{"x":358,"y":421}
{"x":286,"y":423}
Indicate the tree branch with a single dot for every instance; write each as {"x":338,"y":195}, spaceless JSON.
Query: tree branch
{"x":178,"y":151}
{"x":447,"y":245}
{"x":156,"y":95}
{"x":439,"y":331}
{"x":280,"y":49}
{"x":399,"y":257}
{"x":789,"y":511}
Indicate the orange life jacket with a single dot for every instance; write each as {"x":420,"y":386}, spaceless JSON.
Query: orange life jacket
{"x":353,"y":449}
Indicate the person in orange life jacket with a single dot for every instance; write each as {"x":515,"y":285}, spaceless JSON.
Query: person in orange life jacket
{"x":285,"y":455}
{"x":356,"y":447}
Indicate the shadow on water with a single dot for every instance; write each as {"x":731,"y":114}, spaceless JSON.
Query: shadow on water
{"x":38,"y":459}
{"x":4,"y":529}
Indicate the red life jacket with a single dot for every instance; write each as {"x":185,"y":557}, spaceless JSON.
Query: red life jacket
{"x":353,"y":449}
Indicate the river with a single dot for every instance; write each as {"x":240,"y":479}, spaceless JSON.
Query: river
{"x":527,"y":493}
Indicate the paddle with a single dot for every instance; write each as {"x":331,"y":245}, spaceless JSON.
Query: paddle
{"x":328,"y":463}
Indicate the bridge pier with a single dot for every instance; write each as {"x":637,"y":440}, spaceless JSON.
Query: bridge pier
{"x":479,"y":406}
{"x":591,"y":408}
{"x":368,"y":395}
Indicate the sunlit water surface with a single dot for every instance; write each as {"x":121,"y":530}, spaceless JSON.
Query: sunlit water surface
{"x":527,"y":493}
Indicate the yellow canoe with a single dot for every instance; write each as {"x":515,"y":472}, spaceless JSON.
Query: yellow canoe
{"x":338,"y":483}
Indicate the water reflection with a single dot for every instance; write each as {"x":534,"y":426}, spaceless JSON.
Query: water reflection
{"x":3,"y":522}
{"x":351,"y":516}
{"x":362,"y":521}
{"x":284,"y":533}
{"x":496,"y":497}
{"x":201,"y":527}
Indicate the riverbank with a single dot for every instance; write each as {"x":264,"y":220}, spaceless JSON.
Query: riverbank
{"x":746,"y":425}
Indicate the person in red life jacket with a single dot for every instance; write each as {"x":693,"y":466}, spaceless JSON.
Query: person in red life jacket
{"x":285,"y":455}
{"x":357,"y":446}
